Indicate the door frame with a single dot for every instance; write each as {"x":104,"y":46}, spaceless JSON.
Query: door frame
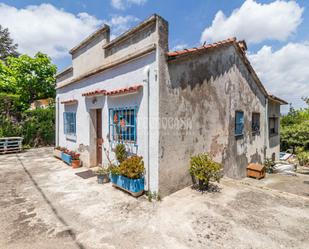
{"x":99,"y":136}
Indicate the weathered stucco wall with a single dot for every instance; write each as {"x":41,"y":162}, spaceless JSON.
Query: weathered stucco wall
{"x":273,"y":141}
{"x":122,"y":76}
{"x":89,"y":56}
{"x":205,"y":91}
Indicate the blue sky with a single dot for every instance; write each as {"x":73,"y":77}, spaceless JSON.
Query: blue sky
{"x":277,"y":32}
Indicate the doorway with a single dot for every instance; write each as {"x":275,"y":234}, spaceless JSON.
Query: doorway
{"x":99,"y":141}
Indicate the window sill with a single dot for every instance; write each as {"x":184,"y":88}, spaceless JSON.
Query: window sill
{"x":124,"y":142}
{"x":71,"y":137}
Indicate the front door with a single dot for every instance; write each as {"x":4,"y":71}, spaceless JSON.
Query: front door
{"x":99,"y":136}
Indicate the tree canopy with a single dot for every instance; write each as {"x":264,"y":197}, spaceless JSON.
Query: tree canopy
{"x":29,"y":77}
{"x":7,"y":46}
{"x":295,"y":128}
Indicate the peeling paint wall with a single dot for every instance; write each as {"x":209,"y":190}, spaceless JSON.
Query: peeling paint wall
{"x":206,"y":90}
{"x":273,"y":141}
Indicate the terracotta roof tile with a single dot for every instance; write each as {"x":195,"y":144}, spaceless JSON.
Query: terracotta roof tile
{"x":69,"y":102}
{"x":123,"y":90}
{"x":93,"y":93}
{"x":207,"y":46}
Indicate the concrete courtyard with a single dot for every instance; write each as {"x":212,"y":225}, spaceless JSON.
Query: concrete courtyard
{"x":43,"y":204}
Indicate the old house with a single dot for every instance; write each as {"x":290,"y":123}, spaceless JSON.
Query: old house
{"x":165,"y":106}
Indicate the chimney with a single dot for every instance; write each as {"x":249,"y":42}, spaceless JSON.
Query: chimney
{"x":243,"y":45}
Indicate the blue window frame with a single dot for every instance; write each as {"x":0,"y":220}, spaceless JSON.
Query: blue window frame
{"x":69,"y":123}
{"x":122,"y":124}
{"x":239,"y":123}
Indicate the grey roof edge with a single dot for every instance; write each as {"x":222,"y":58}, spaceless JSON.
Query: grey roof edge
{"x":103,"y":29}
{"x":133,"y":30}
{"x":277,"y":99}
{"x":64,"y":71}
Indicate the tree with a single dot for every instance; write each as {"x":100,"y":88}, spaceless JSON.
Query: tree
{"x":7,"y":46}
{"x":32,"y":77}
{"x":295,"y":129}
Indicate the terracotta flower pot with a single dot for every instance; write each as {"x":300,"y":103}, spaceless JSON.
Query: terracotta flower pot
{"x":75,"y":164}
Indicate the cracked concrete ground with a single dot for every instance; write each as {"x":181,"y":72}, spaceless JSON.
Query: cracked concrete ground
{"x":43,"y":204}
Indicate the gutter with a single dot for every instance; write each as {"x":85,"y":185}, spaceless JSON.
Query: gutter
{"x":57,"y":121}
{"x":147,"y":73}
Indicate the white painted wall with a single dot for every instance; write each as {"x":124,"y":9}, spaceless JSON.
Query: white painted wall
{"x":124,"y":75}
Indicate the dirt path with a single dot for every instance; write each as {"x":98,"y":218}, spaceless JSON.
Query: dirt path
{"x":43,"y":204}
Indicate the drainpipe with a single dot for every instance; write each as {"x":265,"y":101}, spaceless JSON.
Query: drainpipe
{"x":57,"y":121}
{"x":146,"y":72}
{"x":266,"y":127}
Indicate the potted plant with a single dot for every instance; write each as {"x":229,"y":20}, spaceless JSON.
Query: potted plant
{"x":103,"y":175}
{"x":203,"y":170}
{"x":121,"y":152}
{"x":57,"y":152}
{"x":65,"y":156}
{"x":75,"y":161}
{"x":129,"y":175}
{"x":269,"y":165}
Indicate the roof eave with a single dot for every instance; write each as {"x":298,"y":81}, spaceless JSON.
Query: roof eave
{"x":64,"y":71}
{"x":278,"y":100}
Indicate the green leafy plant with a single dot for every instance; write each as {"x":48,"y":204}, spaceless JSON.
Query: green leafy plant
{"x":38,"y":126}
{"x":115,"y":170}
{"x":132,"y":167}
{"x":24,"y":79}
{"x":121,"y":152}
{"x":153,"y":196}
{"x":303,"y":158}
{"x":103,"y":170}
{"x":295,"y":129}
{"x":204,"y":169}
{"x":269,"y":165}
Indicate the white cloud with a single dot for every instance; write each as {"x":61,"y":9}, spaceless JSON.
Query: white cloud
{"x":120,"y":24}
{"x":180,"y":46}
{"x":123,"y":4}
{"x":256,"y":22}
{"x":54,"y":31}
{"x":118,"y":4}
{"x":284,"y":72}
{"x":47,"y":29}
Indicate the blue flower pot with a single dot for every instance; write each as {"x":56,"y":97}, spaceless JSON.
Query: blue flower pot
{"x":66,"y":158}
{"x":133,"y":186}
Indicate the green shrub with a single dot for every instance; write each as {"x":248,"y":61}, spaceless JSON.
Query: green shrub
{"x":121,"y":152}
{"x":38,"y":126}
{"x":303,"y":158}
{"x":9,"y":128}
{"x":204,"y":169}
{"x":269,"y":165}
{"x":132,"y":167}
